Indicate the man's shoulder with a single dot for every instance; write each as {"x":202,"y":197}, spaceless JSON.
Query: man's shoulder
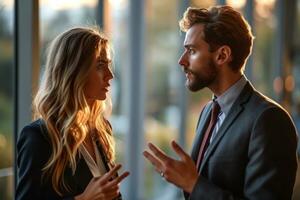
{"x":260,"y":104}
{"x":263,"y":101}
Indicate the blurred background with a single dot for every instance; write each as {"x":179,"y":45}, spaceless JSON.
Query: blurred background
{"x":150,"y":101}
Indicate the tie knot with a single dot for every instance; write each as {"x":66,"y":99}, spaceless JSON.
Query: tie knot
{"x":215,"y":110}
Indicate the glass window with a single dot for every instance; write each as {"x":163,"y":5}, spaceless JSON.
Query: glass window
{"x":296,"y":73}
{"x":116,"y":22}
{"x":296,"y":91}
{"x":6,"y":99}
{"x":161,"y":100}
{"x":58,"y":16}
{"x":264,"y":45}
{"x":161,"y":55}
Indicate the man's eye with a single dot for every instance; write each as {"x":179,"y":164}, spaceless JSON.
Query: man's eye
{"x":191,"y":51}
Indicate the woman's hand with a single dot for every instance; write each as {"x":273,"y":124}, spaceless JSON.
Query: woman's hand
{"x":105,"y":187}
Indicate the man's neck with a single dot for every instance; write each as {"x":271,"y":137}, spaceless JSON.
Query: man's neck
{"x":225,"y":82}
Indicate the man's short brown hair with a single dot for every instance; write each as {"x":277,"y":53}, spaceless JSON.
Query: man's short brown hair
{"x":222,"y":26}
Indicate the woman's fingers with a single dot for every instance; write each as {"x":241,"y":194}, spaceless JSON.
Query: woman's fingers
{"x":109,"y":175}
{"x":115,"y":181}
{"x":111,"y":195}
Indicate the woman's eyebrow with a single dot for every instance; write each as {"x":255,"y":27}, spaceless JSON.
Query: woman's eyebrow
{"x":102,"y":60}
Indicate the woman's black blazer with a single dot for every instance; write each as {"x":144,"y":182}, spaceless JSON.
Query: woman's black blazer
{"x":33,"y":151}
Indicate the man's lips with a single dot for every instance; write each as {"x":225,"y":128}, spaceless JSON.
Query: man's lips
{"x":188,"y":74}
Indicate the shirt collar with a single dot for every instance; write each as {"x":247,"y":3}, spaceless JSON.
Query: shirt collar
{"x":226,"y":99}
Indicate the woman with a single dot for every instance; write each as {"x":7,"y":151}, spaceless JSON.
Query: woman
{"x":68,"y":152}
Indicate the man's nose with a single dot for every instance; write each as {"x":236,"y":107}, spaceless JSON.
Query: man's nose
{"x":182,"y":60}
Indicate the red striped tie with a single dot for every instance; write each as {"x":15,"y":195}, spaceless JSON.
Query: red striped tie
{"x":206,"y":138}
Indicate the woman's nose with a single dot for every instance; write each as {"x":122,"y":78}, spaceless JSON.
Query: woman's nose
{"x":109,"y":74}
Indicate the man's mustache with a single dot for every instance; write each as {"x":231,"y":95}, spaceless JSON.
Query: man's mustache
{"x":188,"y":71}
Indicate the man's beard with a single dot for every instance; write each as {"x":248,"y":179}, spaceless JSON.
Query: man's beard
{"x":200,"y":81}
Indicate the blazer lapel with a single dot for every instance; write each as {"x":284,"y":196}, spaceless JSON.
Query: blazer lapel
{"x":236,"y":109}
{"x":203,"y":123}
{"x":83,"y":174}
{"x":103,"y":156}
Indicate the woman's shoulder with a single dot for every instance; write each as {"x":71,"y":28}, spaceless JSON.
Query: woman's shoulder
{"x":34,"y":133}
{"x":33,"y":126}
{"x":33,"y":147}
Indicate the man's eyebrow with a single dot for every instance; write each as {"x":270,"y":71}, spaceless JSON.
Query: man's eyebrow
{"x":189,"y":46}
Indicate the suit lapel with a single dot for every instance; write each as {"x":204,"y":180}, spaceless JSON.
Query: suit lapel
{"x":236,"y":109}
{"x":203,"y":123}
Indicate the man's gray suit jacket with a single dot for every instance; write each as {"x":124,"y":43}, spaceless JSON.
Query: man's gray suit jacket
{"x":252,"y":156}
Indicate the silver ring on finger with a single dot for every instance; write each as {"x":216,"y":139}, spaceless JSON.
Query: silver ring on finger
{"x":162,"y":174}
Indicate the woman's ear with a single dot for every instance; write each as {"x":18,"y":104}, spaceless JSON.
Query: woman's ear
{"x":223,"y":55}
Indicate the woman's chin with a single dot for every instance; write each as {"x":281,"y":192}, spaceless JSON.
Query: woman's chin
{"x":102,"y":97}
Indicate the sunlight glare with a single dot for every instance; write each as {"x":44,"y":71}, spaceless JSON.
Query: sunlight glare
{"x":68,"y":4}
{"x":264,"y":7}
{"x":7,"y":3}
{"x":117,"y":4}
{"x":237,"y":4}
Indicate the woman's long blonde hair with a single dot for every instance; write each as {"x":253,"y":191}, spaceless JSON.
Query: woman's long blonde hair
{"x":61,"y":103}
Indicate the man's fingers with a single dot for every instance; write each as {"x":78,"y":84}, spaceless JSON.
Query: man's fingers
{"x":154,"y":161}
{"x":179,"y":151}
{"x":158,"y":153}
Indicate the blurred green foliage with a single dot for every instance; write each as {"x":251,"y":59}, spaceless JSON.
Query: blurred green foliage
{"x":6,"y":101}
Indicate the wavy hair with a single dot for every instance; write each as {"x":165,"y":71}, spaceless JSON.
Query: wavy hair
{"x":61,"y":103}
{"x":222,"y":26}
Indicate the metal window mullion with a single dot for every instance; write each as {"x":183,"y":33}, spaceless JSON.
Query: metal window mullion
{"x":135,"y":139}
{"x":100,"y":14}
{"x":26,"y":64}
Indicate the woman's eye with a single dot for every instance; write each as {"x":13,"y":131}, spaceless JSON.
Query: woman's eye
{"x":102,"y":65}
{"x":99,"y":66}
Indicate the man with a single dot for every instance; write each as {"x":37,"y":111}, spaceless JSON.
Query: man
{"x":245,"y":145}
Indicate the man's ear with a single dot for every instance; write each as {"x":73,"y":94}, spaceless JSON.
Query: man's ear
{"x":223,"y":55}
